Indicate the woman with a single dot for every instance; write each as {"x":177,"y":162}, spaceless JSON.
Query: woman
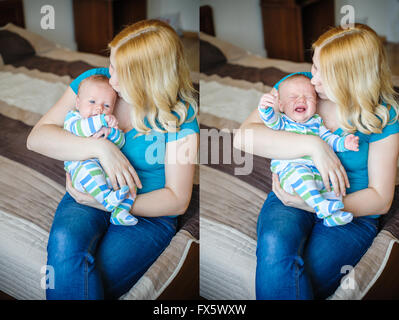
{"x":93,"y":259}
{"x":297,"y":256}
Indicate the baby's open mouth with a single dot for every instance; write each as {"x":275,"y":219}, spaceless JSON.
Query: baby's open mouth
{"x":300,"y":109}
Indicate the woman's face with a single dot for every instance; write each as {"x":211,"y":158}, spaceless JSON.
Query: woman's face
{"x":317,"y":79}
{"x":113,"y":81}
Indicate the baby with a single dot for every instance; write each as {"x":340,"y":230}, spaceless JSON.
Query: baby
{"x":297,"y":106}
{"x":95,"y":103}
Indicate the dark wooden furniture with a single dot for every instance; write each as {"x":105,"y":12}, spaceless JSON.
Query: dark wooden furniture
{"x":206,"y":20}
{"x":98,"y":21}
{"x":291,"y":26}
{"x":12,"y":11}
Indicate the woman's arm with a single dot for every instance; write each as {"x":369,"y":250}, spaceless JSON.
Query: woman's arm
{"x":382,"y":164}
{"x":50,"y":139}
{"x":174,"y":198}
{"x":254,"y":137}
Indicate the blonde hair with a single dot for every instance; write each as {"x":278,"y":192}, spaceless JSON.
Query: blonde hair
{"x":153,"y":75}
{"x":356,"y":77}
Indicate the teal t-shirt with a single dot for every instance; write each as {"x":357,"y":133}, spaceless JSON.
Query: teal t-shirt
{"x":146,"y":153}
{"x":356,"y":162}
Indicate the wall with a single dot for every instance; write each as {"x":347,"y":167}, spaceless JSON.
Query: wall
{"x":239,"y":22}
{"x":382,"y":16}
{"x":189,"y":11}
{"x":64,"y":30}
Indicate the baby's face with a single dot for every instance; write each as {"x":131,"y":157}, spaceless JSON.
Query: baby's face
{"x":298,"y":99}
{"x":95,"y":98}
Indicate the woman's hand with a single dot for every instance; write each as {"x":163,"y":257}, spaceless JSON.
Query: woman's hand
{"x":288,"y":199}
{"x":80,"y":197}
{"x":330,"y":168}
{"x":117,"y":167}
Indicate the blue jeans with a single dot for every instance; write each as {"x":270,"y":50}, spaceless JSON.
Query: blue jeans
{"x":93,"y":259}
{"x":300,"y":258}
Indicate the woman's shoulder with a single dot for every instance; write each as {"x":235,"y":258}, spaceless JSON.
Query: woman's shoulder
{"x":189,"y":126}
{"x":392,"y":126}
{"x":75,"y":83}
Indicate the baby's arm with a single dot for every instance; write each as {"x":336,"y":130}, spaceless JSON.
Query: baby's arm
{"x":337,"y":143}
{"x":117,"y":137}
{"x":269,"y":116}
{"x":83,"y":127}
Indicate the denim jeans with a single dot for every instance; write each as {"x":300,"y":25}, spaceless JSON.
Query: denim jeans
{"x":93,"y":259}
{"x":300,"y":258}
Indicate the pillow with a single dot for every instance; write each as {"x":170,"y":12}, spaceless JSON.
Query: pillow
{"x":40,"y":44}
{"x":211,"y":56}
{"x":174,"y":21}
{"x":13,"y":47}
{"x":230,"y":51}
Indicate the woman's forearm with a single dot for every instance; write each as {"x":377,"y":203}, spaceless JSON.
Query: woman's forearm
{"x":367,"y":202}
{"x":167,"y":203}
{"x":257,"y":139}
{"x":57,"y":143}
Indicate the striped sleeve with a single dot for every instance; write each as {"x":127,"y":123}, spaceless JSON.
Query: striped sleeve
{"x":336,"y":142}
{"x":271,"y":119}
{"x":117,"y":137}
{"x":75,"y":124}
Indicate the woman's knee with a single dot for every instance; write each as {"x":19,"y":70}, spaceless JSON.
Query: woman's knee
{"x":272,"y":247}
{"x":63,"y":243}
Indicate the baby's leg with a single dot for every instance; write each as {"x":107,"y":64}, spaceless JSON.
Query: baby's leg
{"x":302,"y":180}
{"x":121,"y":216}
{"x":339,"y":217}
{"x":91,"y":177}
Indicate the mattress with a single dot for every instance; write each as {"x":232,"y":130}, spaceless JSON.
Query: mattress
{"x":232,"y":80}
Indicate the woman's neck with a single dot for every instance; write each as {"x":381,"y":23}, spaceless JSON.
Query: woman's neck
{"x":328,"y":112}
{"x":122,"y":113}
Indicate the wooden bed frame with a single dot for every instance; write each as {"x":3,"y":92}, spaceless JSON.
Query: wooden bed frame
{"x":12,"y":11}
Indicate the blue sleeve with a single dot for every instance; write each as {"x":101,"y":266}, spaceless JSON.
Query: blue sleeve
{"x":391,"y":128}
{"x":190,"y":126}
{"x":75,"y":83}
{"x":307,"y":74}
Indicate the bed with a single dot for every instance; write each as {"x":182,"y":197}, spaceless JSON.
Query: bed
{"x":34,"y":72}
{"x":231,"y":82}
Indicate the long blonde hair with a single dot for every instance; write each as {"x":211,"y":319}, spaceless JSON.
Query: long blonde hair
{"x":356,"y":76}
{"x":153,"y":75}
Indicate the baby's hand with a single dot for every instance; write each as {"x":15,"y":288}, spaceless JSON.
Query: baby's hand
{"x":268,"y":100}
{"x":102,"y":133}
{"x":111,"y":121}
{"x":352,"y":142}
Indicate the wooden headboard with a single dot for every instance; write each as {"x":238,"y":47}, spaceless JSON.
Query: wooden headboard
{"x":206,"y":20}
{"x":12,"y":11}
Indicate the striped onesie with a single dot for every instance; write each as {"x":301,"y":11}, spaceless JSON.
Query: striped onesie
{"x":300,"y":175}
{"x":88,"y":176}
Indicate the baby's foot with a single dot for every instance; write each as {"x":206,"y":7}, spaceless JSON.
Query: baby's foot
{"x":122,"y":217}
{"x":338,"y":218}
{"x":115,"y":198}
{"x":328,"y":207}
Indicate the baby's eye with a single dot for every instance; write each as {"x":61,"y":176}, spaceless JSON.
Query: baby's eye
{"x":106,"y":105}
{"x":92,"y":101}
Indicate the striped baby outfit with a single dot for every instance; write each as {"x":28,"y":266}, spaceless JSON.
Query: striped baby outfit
{"x":300,"y":175}
{"x":88,"y":176}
